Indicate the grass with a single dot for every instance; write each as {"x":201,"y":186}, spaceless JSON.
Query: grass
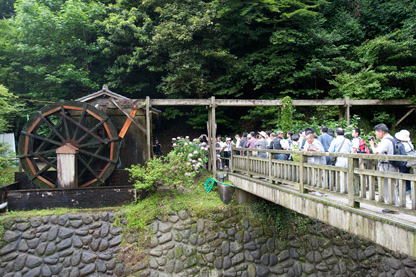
{"x":7,"y":175}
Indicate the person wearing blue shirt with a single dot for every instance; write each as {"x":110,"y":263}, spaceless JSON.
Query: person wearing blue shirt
{"x":341,"y":145}
{"x":326,"y":140}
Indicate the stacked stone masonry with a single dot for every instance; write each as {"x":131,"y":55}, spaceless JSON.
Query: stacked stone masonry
{"x":225,"y":244}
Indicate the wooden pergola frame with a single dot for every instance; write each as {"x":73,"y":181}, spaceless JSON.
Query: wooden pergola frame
{"x":212,"y":103}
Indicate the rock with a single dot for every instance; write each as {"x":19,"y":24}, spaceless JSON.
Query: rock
{"x":81,"y":232}
{"x":88,"y":269}
{"x":231,"y":272}
{"x":76,"y":258}
{"x":45,"y":271}
{"x":297,"y":268}
{"x":395,"y":264}
{"x":251,"y":270}
{"x":322,"y":267}
{"x":23,"y":246}
{"x":95,"y":225}
{"x":33,"y":261}
{"x":41,"y":248}
{"x":293,"y":253}
{"x":193,"y":239}
{"x":105,"y":230}
{"x":77,"y":242}
{"x":29,"y":234}
{"x":74,"y":272}
{"x":236,"y":247}
{"x":8,"y":248}
{"x":256,"y":254}
{"x":164,"y":228}
{"x":225,"y":248}
{"x":262,"y":270}
{"x":265,"y":259}
{"x":43,"y":228}
{"x":19,"y":263}
{"x":318,"y":257}
{"x":62,"y":219}
{"x":88,"y":257}
{"x":178,"y":266}
{"x":284,"y":255}
{"x":53,"y":233}
{"x":103,"y":245}
{"x":409,"y":263}
{"x":115,"y":241}
{"x":183,"y":214}
{"x":66,"y":243}
{"x":23,"y":226}
{"x":173,"y":218}
{"x":165,"y":238}
{"x":52,"y":260}
{"x":310,"y":257}
{"x":10,"y":236}
{"x":115,"y":231}
{"x":76,"y":223}
{"x":56,"y":269}
{"x":156,"y":252}
{"x":226,"y":263}
{"x":32,"y":272}
{"x":218,"y":263}
{"x":308,"y":268}
{"x":105,"y":256}
{"x":250,"y":246}
{"x":238,"y":258}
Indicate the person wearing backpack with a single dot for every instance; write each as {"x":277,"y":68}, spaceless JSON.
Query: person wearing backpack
{"x":385,"y":147}
{"x":404,"y":138}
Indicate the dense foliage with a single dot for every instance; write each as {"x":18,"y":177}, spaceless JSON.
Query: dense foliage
{"x":179,"y":168}
{"x":267,"y":49}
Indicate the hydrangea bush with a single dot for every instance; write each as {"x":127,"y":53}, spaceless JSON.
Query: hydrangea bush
{"x":178,"y":168}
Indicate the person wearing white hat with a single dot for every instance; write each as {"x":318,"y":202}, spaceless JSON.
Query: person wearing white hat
{"x":261,"y":144}
{"x":404,"y":137}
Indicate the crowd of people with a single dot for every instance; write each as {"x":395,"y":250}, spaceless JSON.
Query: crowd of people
{"x":327,"y":141}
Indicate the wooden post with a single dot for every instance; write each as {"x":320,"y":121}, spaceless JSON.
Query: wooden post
{"x":353,"y":182}
{"x":270,"y":168}
{"x":302,"y":172}
{"x":230,"y":161}
{"x":213,"y":133}
{"x":148,"y":128}
{"x":67,"y":166}
{"x":347,"y":110}
{"x":210,"y":140}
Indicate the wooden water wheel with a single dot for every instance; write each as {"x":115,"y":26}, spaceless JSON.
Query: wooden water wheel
{"x":78,"y":125}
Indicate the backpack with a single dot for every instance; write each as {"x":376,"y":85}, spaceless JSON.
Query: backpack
{"x":295,"y":157}
{"x":398,"y":150}
{"x":362,"y":147}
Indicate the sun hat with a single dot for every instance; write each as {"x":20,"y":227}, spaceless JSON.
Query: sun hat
{"x":403,"y":135}
{"x":279,"y":132}
{"x":263,"y":134}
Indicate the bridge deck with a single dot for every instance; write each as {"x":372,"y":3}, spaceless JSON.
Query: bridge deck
{"x":354,"y":195}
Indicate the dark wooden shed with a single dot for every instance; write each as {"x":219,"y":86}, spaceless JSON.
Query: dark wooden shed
{"x":134,"y":148}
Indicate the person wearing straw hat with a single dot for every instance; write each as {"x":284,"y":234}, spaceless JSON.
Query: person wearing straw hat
{"x":404,"y":137}
{"x":261,"y":144}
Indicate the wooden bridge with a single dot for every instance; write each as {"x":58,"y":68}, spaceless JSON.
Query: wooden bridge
{"x":349,"y":198}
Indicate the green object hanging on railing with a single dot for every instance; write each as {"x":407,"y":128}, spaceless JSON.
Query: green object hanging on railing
{"x":208,"y":186}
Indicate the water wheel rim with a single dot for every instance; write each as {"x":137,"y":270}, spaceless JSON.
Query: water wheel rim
{"x":28,"y":138}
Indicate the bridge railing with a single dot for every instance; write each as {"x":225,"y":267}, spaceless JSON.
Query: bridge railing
{"x":359,"y":182}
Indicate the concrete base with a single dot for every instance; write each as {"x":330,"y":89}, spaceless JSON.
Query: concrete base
{"x":226,"y":193}
{"x":244,"y":197}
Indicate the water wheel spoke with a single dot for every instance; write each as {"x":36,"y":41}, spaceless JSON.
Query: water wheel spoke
{"x":65,"y":123}
{"x":94,"y":143}
{"x":96,"y":156}
{"x":31,"y":154}
{"x":83,"y":128}
{"x":45,"y":160}
{"x":98,"y":151}
{"x":80,"y":121}
{"x":42,"y":138}
{"x":53,"y":129}
{"x":51,"y":135}
{"x":46,"y":168}
{"x":92,"y":130}
{"x":87,"y":166}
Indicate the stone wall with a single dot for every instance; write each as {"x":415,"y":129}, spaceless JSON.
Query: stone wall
{"x":224,"y":243}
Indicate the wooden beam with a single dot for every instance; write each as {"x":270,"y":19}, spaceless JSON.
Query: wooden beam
{"x":148,"y":127}
{"x":127,"y":123}
{"x":404,"y":117}
{"x":213,"y":135}
{"x":129,"y":116}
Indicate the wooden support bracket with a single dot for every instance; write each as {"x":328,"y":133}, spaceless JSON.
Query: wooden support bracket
{"x":128,"y":115}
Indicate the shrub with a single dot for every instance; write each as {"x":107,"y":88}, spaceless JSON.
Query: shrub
{"x":178,"y":168}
